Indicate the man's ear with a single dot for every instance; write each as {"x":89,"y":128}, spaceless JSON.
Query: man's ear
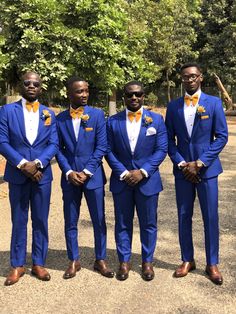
{"x":201,"y":77}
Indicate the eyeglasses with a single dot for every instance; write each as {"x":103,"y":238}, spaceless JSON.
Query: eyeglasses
{"x":190,"y":78}
{"x":27,"y":83}
{"x":137,"y":94}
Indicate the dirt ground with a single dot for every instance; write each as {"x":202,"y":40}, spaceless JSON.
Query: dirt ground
{"x":89,"y":292}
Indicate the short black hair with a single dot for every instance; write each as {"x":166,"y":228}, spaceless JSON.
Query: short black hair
{"x":71,"y":80}
{"x":133,"y":83}
{"x":30,"y":72}
{"x":190,"y":65}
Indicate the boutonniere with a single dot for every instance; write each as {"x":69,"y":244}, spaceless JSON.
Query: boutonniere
{"x":147,"y":120}
{"x":84,"y":119}
{"x":46,"y":117}
{"x":200,"y":110}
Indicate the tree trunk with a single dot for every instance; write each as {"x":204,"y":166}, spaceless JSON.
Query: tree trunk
{"x":112,"y":103}
{"x":168,"y":86}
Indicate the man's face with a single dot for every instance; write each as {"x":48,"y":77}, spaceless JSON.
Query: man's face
{"x":134,"y":97}
{"x":78,"y":94}
{"x":31,"y":86}
{"x":191,"y":78}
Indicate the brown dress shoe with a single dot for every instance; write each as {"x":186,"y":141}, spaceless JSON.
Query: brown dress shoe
{"x":102,"y":267}
{"x":214,"y":274}
{"x":74,"y":266}
{"x":40,"y":272}
{"x":147,"y":271}
{"x":123,"y":271}
{"x":14,"y":275}
{"x":184,"y":269}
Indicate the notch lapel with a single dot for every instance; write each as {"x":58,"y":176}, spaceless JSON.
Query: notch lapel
{"x":181,"y":115}
{"x":123,"y":131}
{"x":21,"y":120}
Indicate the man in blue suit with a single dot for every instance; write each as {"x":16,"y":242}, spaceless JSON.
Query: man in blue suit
{"x":28,"y":141}
{"x":197,"y":133}
{"x":137,"y":145}
{"x":83,"y":143}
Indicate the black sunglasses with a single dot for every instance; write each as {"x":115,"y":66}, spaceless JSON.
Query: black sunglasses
{"x":27,"y":83}
{"x":137,"y":94}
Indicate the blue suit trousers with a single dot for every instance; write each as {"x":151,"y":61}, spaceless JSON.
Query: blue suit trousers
{"x":72,"y":196}
{"x":37,"y":196}
{"x":207,"y":191}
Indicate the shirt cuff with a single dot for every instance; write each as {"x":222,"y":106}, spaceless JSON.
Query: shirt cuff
{"x":86,"y":171}
{"x":181,"y":163}
{"x":37,"y":161}
{"x":68,"y":172}
{"x":122,"y":176}
{"x":23,"y":161}
{"x":144,"y":172}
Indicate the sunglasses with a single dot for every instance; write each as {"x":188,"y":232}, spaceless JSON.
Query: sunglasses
{"x":190,"y":78}
{"x":137,"y":94}
{"x":27,"y":83}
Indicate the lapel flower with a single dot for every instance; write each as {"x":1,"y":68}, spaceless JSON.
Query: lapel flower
{"x":200,"y":110}
{"x":46,"y":117}
{"x":147,"y":120}
{"x":84,"y":119}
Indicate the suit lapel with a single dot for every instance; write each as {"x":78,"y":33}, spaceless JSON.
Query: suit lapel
{"x":123,"y":130}
{"x":21,"y":120}
{"x":142,"y":133}
{"x":202,"y":102}
{"x":181,"y":115}
{"x":81,"y":129}
{"x":69,"y":126}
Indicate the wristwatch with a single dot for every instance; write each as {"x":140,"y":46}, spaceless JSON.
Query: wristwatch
{"x":38,"y":164}
{"x":199,"y":163}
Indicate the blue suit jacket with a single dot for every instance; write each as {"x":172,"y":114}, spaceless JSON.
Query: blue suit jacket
{"x":88,"y":151}
{"x":149,"y":152}
{"x":208,"y":138}
{"x":14,"y":145}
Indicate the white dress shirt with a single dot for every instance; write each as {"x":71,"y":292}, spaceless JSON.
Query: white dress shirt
{"x":190,"y":112}
{"x":133,"y":130}
{"x":31,"y":122}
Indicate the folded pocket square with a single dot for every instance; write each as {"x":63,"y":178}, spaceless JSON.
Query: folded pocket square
{"x":151,"y":131}
{"x":88,"y":129}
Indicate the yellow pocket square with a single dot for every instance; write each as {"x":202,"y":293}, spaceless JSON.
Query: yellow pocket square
{"x":48,"y":121}
{"x":204,"y":117}
{"x":88,"y":129}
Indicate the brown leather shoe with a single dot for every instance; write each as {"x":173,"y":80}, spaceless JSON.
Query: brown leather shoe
{"x":74,"y":266}
{"x":40,"y":272}
{"x":14,"y":275}
{"x":184,"y":269}
{"x":214,"y":274}
{"x":102,"y":267}
{"x":123,"y":271}
{"x":147,"y":271}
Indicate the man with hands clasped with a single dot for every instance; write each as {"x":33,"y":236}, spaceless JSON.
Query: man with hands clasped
{"x":83,"y":143}
{"x":28,"y":141}
{"x":197,"y":133}
{"x":137,"y":145}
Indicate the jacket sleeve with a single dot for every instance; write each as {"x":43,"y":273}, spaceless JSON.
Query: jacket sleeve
{"x":12,"y":156}
{"x":220,"y":135}
{"x":173,"y":152}
{"x":160,"y":151}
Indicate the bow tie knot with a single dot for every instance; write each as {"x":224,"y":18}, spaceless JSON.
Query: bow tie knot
{"x":76,"y":113}
{"x":32,"y":105}
{"x":134,"y":115}
{"x":188,"y":99}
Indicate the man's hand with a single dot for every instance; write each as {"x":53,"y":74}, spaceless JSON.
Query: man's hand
{"x":190,"y":171}
{"x":133,"y":177}
{"x":83,"y":177}
{"x":37,"y":176}
{"x":29,"y":169}
{"x":73,"y":177}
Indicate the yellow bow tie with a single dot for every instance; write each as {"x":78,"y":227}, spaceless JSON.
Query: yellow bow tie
{"x":76,"y":113}
{"x":134,"y":115}
{"x":32,"y":105}
{"x":189,"y":99}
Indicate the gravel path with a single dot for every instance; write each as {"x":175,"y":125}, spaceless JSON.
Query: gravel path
{"x":89,"y":292}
